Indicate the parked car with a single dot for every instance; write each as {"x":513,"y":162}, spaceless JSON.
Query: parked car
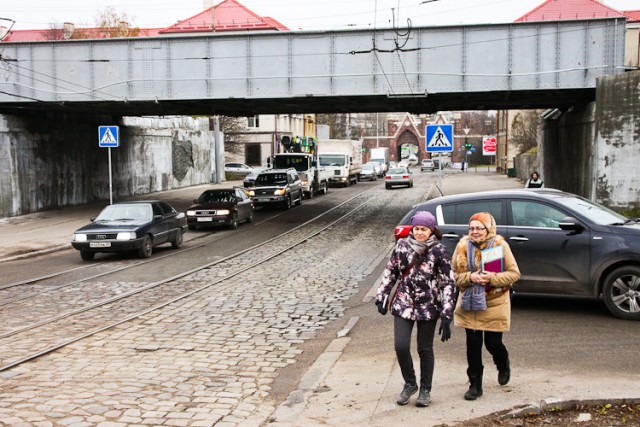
{"x":226,"y":206}
{"x":368,"y":172}
{"x":277,"y":187}
{"x":427,"y":165}
{"x":239,"y":168}
{"x":563,"y":243}
{"x":250,"y":179}
{"x":398,"y":176}
{"x":131,"y":226}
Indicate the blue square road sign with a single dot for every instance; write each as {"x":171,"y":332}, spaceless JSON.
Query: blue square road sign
{"x":439,"y":138}
{"x":108,"y":136}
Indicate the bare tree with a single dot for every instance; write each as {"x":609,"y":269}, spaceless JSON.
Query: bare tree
{"x":235,"y":132}
{"x":54,"y":32}
{"x":338,"y":124}
{"x":114,"y":24}
{"x":524,"y":129}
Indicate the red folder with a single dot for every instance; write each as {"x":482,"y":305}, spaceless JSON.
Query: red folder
{"x":493,"y":259}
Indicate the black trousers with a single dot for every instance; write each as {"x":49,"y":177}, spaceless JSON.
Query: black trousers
{"x":493,"y":342}
{"x":402,"y":329}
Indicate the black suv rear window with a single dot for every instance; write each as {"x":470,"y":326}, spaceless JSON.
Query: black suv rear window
{"x":459,"y":213}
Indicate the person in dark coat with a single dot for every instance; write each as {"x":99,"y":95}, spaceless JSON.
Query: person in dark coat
{"x":534,"y":181}
{"x":425,"y":292}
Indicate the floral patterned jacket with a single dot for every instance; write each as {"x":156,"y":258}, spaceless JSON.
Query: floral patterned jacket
{"x":427,"y":291}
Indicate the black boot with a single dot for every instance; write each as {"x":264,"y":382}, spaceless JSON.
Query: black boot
{"x":475,"y":385}
{"x":504,"y":373}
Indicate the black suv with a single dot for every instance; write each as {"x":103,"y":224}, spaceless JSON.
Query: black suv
{"x":563,"y":243}
{"x":277,"y":186}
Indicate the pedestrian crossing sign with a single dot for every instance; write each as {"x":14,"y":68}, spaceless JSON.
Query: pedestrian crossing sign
{"x":439,"y":138}
{"x":108,"y":136}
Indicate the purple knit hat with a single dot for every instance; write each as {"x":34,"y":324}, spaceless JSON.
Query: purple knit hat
{"x":424,"y":218}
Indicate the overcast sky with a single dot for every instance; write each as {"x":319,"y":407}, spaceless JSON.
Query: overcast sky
{"x":295,"y":14}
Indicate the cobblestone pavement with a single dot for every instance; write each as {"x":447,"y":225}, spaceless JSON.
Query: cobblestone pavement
{"x":209,"y":359}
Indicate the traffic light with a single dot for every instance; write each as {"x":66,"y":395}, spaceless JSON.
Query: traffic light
{"x":467,"y":145}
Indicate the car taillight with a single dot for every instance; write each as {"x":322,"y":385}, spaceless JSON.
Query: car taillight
{"x":387,"y":177}
{"x":402,"y":231}
{"x":405,"y":176}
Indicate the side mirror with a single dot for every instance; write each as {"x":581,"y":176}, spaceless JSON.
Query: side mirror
{"x":571,"y":224}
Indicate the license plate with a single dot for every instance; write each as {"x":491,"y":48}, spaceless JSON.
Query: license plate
{"x":100,"y":244}
{"x":261,"y":199}
{"x":205,"y":219}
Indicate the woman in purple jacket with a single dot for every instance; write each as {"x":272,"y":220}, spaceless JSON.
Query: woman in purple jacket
{"x":425,"y":292}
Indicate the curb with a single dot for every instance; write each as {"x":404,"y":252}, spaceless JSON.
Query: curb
{"x":555,"y":404}
{"x":34,"y":253}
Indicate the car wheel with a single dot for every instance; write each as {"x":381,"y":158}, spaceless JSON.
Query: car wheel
{"x":287,"y":202}
{"x":250,"y":218}
{"x":146,"y":249}
{"x":411,"y":184}
{"x":387,"y":186}
{"x":87,"y":256}
{"x":621,"y":292}
{"x":178,"y":240}
{"x":234,"y":221}
{"x":299,"y":201}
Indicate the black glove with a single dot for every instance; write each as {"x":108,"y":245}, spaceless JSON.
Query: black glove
{"x":445,"y":330}
{"x":381,"y":308}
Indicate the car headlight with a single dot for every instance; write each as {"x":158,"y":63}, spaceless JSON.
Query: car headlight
{"x":279,"y":192}
{"x":191,"y":213}
{"x":223,"y":212}
{"x":126,"y":235}
{"x":80,"y":237}
{"x":305,"y":182}
{"x":251,"y":193}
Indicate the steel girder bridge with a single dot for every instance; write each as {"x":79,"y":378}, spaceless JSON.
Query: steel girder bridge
{"x":419,"y":70}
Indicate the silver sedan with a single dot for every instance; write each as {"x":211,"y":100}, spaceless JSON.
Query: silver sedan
{"x":398,"y":176}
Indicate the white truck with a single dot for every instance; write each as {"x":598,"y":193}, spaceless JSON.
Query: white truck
{"x":342,"y":158}
{"x":315,"y":179}
{"x":380,"y":155}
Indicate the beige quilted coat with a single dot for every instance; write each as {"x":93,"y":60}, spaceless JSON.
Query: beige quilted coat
{"x":497,"y":316}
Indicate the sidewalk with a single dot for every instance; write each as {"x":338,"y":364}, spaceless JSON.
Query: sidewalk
{"x":50,"y":231}
{"x":356,"y":381}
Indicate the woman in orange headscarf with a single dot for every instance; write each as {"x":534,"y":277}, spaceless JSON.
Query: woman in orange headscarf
{"x":484,"y":305}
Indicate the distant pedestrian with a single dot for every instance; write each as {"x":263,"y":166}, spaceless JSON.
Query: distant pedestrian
{"x":534,"y":181}
{"x":484,"y":305}
{"x":421,"y":266}
{"x":463,"y":164}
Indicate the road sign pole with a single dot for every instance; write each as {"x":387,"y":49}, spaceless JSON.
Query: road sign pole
{"x":110,"y":180}
{"x":440,"y":172}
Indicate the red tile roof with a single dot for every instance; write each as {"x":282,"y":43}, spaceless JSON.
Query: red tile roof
{"x":559,"y":10}
{"x":229,"y":15}
{"x":632,"y":15}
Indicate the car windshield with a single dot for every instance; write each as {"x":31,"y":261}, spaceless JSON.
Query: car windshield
{"x":367,"y":167}
{"x":133,"y":212}
{"x":329,"y":160}
{"x":300,"y":163}
{"x":397,"y":170}
{"x":272,"y":179}
{"x":217,"y":196}
{"x":595,"y":212}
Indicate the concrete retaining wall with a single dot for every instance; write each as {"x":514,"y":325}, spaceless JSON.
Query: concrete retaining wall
{"x":52,"y":161}
{"x":617,"y":142}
